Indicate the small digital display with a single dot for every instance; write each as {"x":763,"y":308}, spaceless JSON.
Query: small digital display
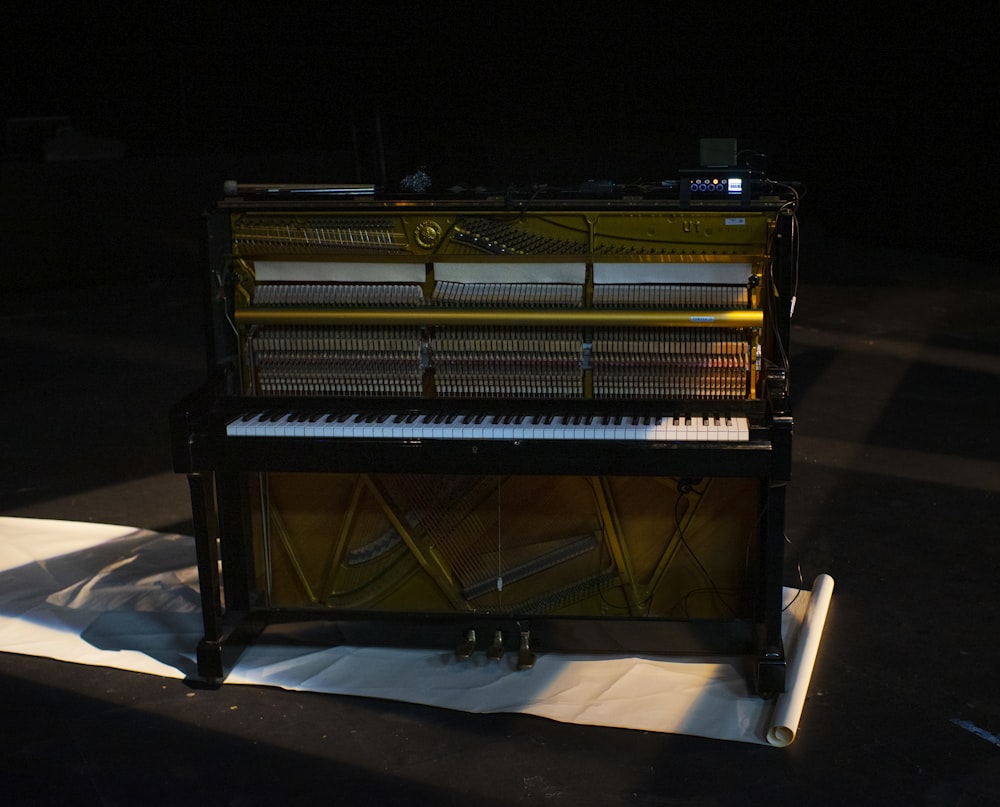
{"x":735,"y":186}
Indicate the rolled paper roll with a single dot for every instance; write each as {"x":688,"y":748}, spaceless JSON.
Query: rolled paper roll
{"x":788,"y":708}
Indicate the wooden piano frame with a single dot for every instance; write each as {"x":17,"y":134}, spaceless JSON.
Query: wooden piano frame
{"x":217,"y":466}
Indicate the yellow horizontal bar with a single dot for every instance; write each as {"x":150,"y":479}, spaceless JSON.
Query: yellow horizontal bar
{"x":506,"y":316}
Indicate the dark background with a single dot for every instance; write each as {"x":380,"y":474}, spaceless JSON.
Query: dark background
{"x":885,"y":111}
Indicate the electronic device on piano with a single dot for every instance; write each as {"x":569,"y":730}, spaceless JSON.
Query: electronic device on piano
{"x":521,"y":422}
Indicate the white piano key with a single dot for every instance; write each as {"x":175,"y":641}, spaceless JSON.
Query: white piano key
{"x":713,"y":431}
{"x":731,"y":428}
{"x":274,"y":428}
{"x":743,"y":428}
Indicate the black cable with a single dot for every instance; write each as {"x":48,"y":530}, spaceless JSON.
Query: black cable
{"x":684,"y":489}
{"x":798,"y":569}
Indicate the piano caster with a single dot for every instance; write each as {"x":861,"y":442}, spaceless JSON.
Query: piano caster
{"x":467,"y":646}
{"x":525,"y":658}
{"x":769,"y":674}
{"x":495,"y":651}
{"x":211,"y":672}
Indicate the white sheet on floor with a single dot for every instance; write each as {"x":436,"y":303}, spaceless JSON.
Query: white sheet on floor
{"x":128,"y":598}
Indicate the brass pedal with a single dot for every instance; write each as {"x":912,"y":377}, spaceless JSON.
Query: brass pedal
{"x":468,"y":646}
{"x":495,"y":651}
{"x":525,"y":658}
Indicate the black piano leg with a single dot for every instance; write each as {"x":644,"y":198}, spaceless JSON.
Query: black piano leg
{"x":769,"y":666}
{"x":210,"y":667}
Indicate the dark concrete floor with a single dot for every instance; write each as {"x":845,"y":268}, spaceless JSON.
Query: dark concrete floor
{"x":896,"y":493}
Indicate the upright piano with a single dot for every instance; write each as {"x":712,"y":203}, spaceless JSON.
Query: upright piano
{"x":535,"y":420}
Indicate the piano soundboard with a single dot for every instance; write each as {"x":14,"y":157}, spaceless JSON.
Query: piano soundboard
{"x":525,"y":422}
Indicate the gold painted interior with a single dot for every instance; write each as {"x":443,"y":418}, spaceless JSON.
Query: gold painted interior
{"x":562,"y":545}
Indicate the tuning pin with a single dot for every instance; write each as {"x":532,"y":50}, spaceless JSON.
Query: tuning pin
{"x":495,"y":651}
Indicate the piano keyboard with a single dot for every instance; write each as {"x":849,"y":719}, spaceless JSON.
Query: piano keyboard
{"x":452,"y":426}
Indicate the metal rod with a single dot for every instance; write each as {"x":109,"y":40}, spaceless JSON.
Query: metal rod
{"x":533,"y":317}
{"x":233,"y":188}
